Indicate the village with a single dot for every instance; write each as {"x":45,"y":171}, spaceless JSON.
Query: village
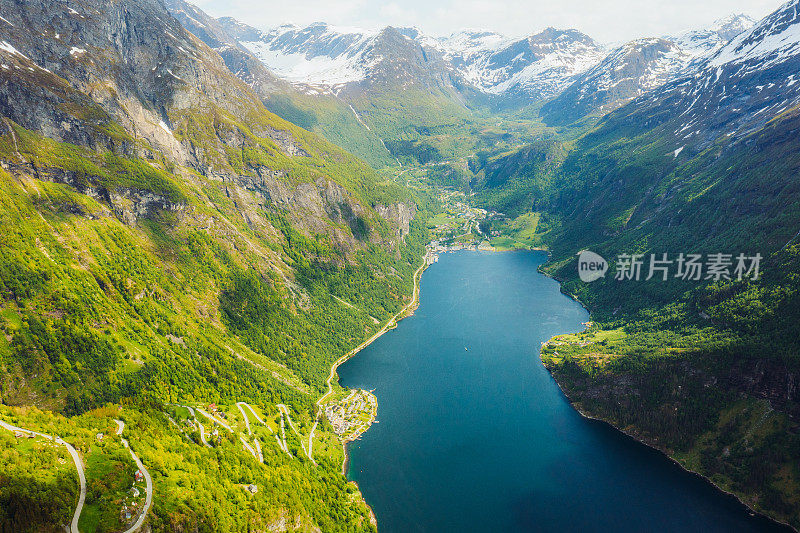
{"x":352,"y":416}
{"x":461,"y":226}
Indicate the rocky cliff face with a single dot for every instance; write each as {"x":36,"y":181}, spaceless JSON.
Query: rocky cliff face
{"x":128,"y":204}
{"x":400,"y":215}
{"x":239,"y":60}
{"x":127,"y":78}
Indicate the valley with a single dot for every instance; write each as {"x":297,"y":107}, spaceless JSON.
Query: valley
{"x":202,"y":222}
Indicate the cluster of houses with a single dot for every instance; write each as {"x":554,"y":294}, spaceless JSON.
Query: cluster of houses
{"x":431,"y":256}
{"x":438,"y":248}
{"x":346,"y":416}
{"x":214,"y":410}
{"x":131,"y":510}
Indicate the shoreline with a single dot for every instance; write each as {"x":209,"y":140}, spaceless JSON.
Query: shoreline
{"x":641,"y":440}
{"x":636,"y":437}
{"x":390,"y":324}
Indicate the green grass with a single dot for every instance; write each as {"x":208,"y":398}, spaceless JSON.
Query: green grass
{"x":524,"y":226}
{"x":519,"y":233}
{"x":442,"y":219}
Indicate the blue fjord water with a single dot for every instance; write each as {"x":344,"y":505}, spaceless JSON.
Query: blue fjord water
{"x":474,"y":434}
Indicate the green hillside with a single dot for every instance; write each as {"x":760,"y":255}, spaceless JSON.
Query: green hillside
{"x":169,"y":241}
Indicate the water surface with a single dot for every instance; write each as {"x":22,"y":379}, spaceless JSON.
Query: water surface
{"x":474,"y":434}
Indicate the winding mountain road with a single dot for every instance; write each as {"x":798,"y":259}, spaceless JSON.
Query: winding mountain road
{"x":248,"y":447}
{"x":285,"y":413}
{"x":148,"y":499}
{"x":78,"y":465}
{"x":257,"y":453}
{"x":258,"y":449}
{"x":215,"y":419}
{"x":196,"y":421}
{"x":244,"y":415}
{"x":240,"y":404}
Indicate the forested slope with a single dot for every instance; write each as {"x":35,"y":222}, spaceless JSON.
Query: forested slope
{"x":166,"y":239}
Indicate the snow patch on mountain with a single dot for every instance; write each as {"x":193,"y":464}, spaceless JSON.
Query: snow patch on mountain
{"x":702,"y":41}
{"x":772,"y":41}
{"x":319,"y":54}
{"x":540,"y":64}
{"x":326,"y":57}
{"x":300,"y":68}
{"x":471,"y":42}
{"x":647,"y":63}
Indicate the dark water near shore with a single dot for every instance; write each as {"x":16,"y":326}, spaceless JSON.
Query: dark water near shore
{"x":482,"y":439}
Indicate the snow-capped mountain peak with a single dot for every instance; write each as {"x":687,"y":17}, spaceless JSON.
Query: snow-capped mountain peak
{"x":326,"y":56}
{"x":772,"y":40}
{"x":625,"y":73}
{"x":732,"y":25}
{"x":701,"y":41}
{"x":468,"y":42}
{"x":736,"y":89}
{"x":539,"y":65}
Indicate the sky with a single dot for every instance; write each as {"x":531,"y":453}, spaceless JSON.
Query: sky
{"x":605,"y":21}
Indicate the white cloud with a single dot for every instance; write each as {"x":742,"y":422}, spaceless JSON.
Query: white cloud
{"x":605,"y":21}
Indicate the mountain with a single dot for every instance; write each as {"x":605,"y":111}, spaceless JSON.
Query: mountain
{"x":707,"y":163}
{"x":393,"y":81}
{"x":637,"y":67}
{"x":325,"y":58}
{"x":237,"y":58}
{"x":537,"y":66}
{"x":373,"y":91}
{"x":626,"y":72}
{"x":316,"y":55}
{"x":701,"y":41}
{"x":423,"y":97}
{"x":168,"y":240}
{"x":321,"y":113}
{"x":180,"y":246}
{"x":349,"y":69}
{"x":735,"y":91}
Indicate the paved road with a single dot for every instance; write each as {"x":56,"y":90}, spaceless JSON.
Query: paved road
{"x":280,"y":445}
{"x":202,"y":434}
{"x":311,"y":440}
{"x":285,"y":412}
{"x":148,"y":500}
{"x":283,"y":435}
{"x":244,"y":415}
{"x":202,"y":429}
{"x":239,"y":404}
{"x":258,"y":448}
{"x":214,"y":419}
{"x":392,"y":322}
{"x":248,"y":447}
{"x":78,"y":465}
{"x":257,"y":452}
